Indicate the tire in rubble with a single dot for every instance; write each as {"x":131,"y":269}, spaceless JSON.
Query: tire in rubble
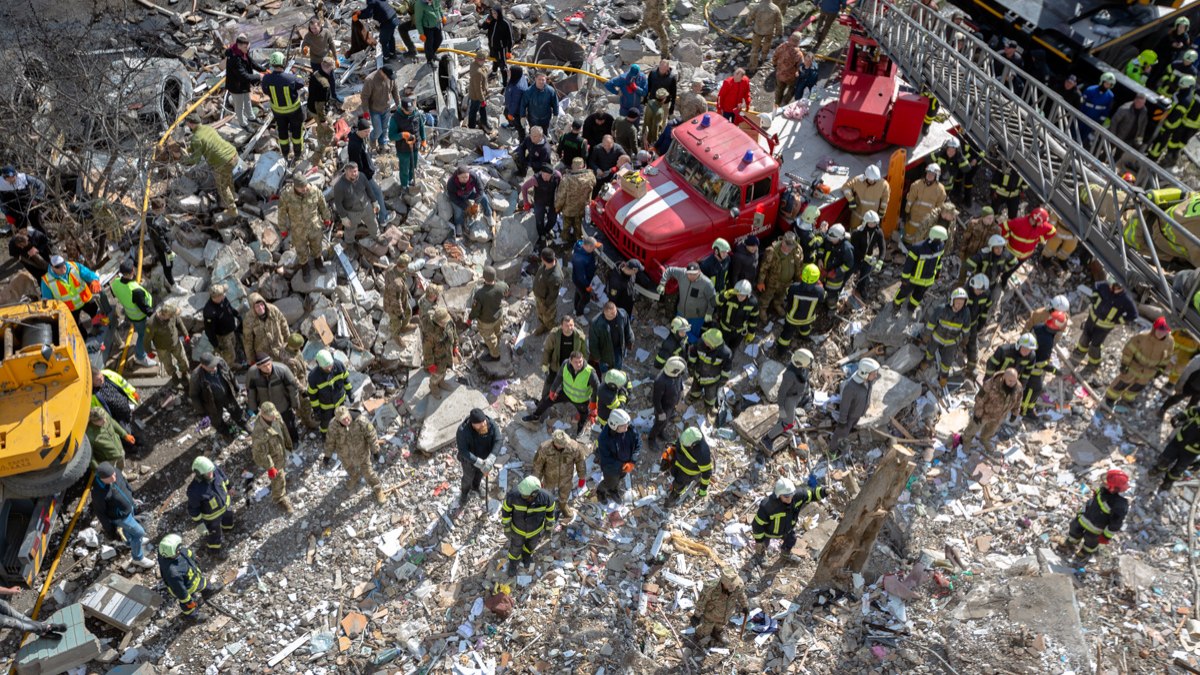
{"x":53,"y":480}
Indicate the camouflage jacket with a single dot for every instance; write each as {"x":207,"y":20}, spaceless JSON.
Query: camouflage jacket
{"x":307,"y":211}
{"x":574,"y":192}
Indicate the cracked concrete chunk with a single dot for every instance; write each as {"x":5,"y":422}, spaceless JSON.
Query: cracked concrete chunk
{"x":891,"y":394}
{"x":441,"y":423}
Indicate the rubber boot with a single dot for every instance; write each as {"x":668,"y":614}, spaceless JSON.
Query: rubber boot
{"x":196,"y":617}
{"x":512,"y":568}
{"x":767,"y":443}
{"x":212,"y":589}
{"x":309,"y":270}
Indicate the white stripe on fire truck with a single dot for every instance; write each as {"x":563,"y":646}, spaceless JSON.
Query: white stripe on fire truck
{"x":649,"y":212}
{"x":645,"y":200}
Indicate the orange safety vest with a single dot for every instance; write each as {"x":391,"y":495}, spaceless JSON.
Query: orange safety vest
{"x":74,"y":292}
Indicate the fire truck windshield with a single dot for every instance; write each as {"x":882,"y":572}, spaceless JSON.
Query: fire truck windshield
{"x":721,"y":193}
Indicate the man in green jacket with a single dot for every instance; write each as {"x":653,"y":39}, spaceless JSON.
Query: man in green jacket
{"x":427,"y":14}
{"x":108,"y":439}
{"x":221,"y":156}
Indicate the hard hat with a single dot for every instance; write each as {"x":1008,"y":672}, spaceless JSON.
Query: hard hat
{"x":529,"y":485}
{"x":1187,"y":81}
{"x":324,"y":358}
{"x":169,"y":546}
{"x":679,"y":323}
{"x":1128,"y":177}
{"x":1148,"y":57}
{"x":934,"y":169}
{"x":867,"y":366}
{"x":953,"y":143}
{"x":1057,"y":321}
{"x":690,"y":436}
{"x":980,"y":282}
{"x":958,"y":294}
{"x":1028,"y":341}
{"x":810,"y":215}
{"x":1116,"y":480}
{"x":810,"y":274}
{"x":1108,"y":78}
{"x":997,"y":240}
{"x":742,"y":288}
{"x":277,"y":58}
{"x":203,"y":465}
{"x":721,"y":245}
{"x":871,"y":218}
{"x":1183,"y":21}
{"x":802,"y":358}
{"x":713,"y":338}
{"x":1160,"y":324}
{"x":938,"y":233}
{"x":616,"y":377}
{"x":872,"y":173}
{"x":837,"y":232}
{"x":784,"y":487}
{"x":1190,"y":56}
{"x":674,"y":366}
{"x":1059,"y":303}
{"x":618,"y":418}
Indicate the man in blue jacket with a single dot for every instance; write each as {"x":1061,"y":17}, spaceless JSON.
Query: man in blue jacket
{"x":583,"y":268}
{"x":617,"y":450}
{"x":388,"y":20}
{"x":539,"y":104}
{"x":630,"y":87}
{"x":115,"y":505}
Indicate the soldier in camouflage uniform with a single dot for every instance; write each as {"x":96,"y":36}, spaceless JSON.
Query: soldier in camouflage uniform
{"x":438,"y":348}
{"x":572,"y":197}
{"x":353,"y":439}
{"x":397,"y":298}
{"x":428,"y":303}
{"x":654,"y":18}
{"x":780,"y":268}
{"x":264,"y":329}
{"x":717,"y":603}
{"x":487,"y":312}
{"x":269,"y":445}
{"x":303,"y":214}
{"x":166,"y":335}
{"x":546,"y":284}
{"x":293,"y":358}
{"x":557,"y":462}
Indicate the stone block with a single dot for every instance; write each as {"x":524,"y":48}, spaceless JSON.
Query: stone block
{"x":361,"y":386}
{"x":20,"y":285}
{"x":630,"y":50}
{"x":456,"y":275}
{"x":324,"y":283}
{"x":688,"y":52}
{"x":120,"y":602}
{"x":441,"y":423}
{"x":479,"y":230}
{"x":888,"y":328}
{"x":906,"y":358}
{"x":515,"y":237}
{"x":231,"y":262}
{"x":1084,"y":453}
{"x":770,"y":376}
{"x":1135,"y":574}
{"x":890,"y":395}
{"x":754,"y":421}
{"x":728,"y":12}
{"x":524,"y":441}
{"x":692,"y":31}
{"x":269,"y":172}
{"x":75,"y":648}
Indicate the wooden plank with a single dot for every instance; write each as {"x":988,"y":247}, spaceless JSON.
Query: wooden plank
{"x":287,"y":651}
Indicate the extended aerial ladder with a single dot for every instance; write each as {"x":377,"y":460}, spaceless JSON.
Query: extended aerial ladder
{"x":1034,"y":130}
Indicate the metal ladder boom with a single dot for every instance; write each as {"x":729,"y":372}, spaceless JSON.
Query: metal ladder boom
{"x":1036,"y":131}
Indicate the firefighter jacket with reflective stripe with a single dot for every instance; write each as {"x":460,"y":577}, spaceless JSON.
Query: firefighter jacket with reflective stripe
{"x":73,"y":289}
{"x":327,"y":389}
{"x":527,"y":516}
{"x":1105,"y":513}
{"x":835,"y":259}
{"x":923,"y":262}
{"x":1024,"y":237}
{"x":802,"y":302}
{"x":979,"y":305}
{"x":1189,"y":433}
{"x":135,"y":299}
{"x":672,"y":345}
{"x":986,"y":263}
{"x":1008,"y":184}
{"x":284,"y":91}
{"x":737,"y":316}
{"x":208,"y":499}
{"x":580,"y":386}
{"x":948,"y":327}
{"x":952,"y":167}
{"x":182,"y":576}
{"x":1009,"y":356}
{"x":1045,"y":349}
{"x":1145,"y":356}
{"x":614,"y":449}
{"x":775,"y":520}
{"x":1111,"y":309}
{"x":120,"y":383}
{"x":610,"y":398}
{"x":695,"y":461}
{"x":710,"y":365}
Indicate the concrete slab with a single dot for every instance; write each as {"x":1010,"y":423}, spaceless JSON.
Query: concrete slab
{"x":524,"y":441}
{"x":442,"y":422}
{"x":1085,"y":453}
{"x":1047,"y":605}
{"x":909,"y":356}
{"x":120,"y":602}
{"x":1134,"y":573}
{"x":137,"y":669}
{"x":76,"y":647}
{"x":888,"y":328}
{"x":890,"y":395}
{"x":770,"y":376}
{"x":417,"y":400}
{"x":754,"y":421}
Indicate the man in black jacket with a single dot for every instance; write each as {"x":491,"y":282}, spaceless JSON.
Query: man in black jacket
{"x":622,"y":282}
{"x":222,"y":323}
{"x":543,"y":185}
{"x":388,"y":20}
{"x":322,"y":94}
{"x":596,"y":126}
{"x":500,"y":41}
{"x":662,"y":77}
{"x":533,"y":151}
{"x":32,"y":249}
{"x":114,"y":505}
{"x":603,"y":160}
{"x":358,"y":152}
{"x":743,"y":263}
{"x":665,"y":395}
{"x":241,"y":72}
{"x":478,"y":442}
{"x":214,"y":393}
{"x":610,"y":338}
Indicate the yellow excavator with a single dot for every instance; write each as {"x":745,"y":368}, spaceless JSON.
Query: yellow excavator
{"x":45,"y":396}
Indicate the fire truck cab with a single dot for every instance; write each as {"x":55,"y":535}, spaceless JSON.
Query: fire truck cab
{"x":715,"y":181}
